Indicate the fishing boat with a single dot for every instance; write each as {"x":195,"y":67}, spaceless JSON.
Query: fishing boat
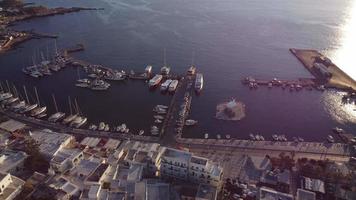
{"x":199,"y":82}
{"x":173,"y":86}
{"x":190,"y":122}
{"x":165,"y":85}
{"x":155,"y":80}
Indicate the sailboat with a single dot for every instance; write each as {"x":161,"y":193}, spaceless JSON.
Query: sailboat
{"x":58,"y":115}
{"x":79,"y":120}
{"x":39,"y":111}
{"x":72,"y":116}
{"x":29,"y":107}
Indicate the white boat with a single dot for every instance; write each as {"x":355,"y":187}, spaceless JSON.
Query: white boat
{"x":218,"y":136}
{"x":84,"y":80}
{"x":69,"y":119}
{"x":155,"y":80}
{"x":191,"y":70}
{"x":141,"y":132}
{"x":165,"y":70}
{"x":78,"y":122}
{"x":28,"y":108}
{"x":101,"y":126}
{"x":338,"y":130}
{"x":10,"y":100}
{"x":98,"y":84}
{"x":38,"y":111}
{"x":173,"y":86}
{"x":162,"y":106}
{"x":18,"y":105}
{"x":158,"y":121}
{"x":148,"y":69}
{"x":40,"y":116}
{"x":227,"y":136}
{"x":107,"y":127}
{"x":165,"y":85}
{"x":199,"y":82}
{"x":190,"y":122}
{"x":56,"y":116}
{"x":5,"y":96}
{"x":206,"y":136}
{"x":252,"y":137}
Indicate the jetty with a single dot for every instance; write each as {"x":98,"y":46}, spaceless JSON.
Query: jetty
{"x":324,"y":70}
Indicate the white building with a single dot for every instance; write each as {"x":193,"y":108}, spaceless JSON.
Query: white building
{"x":65,"y":159}
{"x":10,"y":186}
{"x":51,"y":142}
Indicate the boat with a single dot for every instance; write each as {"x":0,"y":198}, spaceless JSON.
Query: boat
{"x":38,"y":111}
{"x":173,"y":86}
{"x":141,"y":132}
{"x":158,"y":121}
{"x":5,"y":96}
{"x":206,"y":136}
{"x":101,"y":126}
{"x":93,"y":127}
{"x":338,"y":130}
{"x":275,"y":137}
{"x":252,"y":137}
{"x":227,"y":136}
{"x":18,"y":106}
{"x":162,"y":106}
{"x":78,"y":122}
{"x":40,"y":116}
{"x":84,"y":80}
{"x":10,"y":100}
{"x":165,"y":85}
{"x":56,"y":116}
{"x":190,"y":122}
{"x":191,"y":70}
{"x":28,"y":108}
{"x":158,"y":117}
{"x":107,"y":127}
{"x":148,"y":69}
{"x":165,"y":70}
{"x":115,"y":75}
{"x":155,"y":80}
{"x":199,"y":82}
{"x":72,"y":116}
{"x":93,"y":75}
{"x":99,"y":84}
{"x":330,"y":139}
{"x":160,"y":110}
{"x":257,"y":137}
{"x":218,"y":136}
{"x":300,"y":139}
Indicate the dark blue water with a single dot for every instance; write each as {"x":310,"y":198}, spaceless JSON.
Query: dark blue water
{"x":231,"y":39}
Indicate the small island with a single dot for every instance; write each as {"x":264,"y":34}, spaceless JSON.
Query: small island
{"x":232,"y":111}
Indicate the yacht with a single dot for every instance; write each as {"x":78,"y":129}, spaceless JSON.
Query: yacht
{"x":78,"y":122}
{"x":165,"y":85}
{"x":69,"y":119}
{"x":173,"y":86}
{"x":38,"y":111}
{"x":165,"y":70}
{"x":155,"y":80}
{"x":199,"y":82}
{"x":28,"y":108}
{"x":191,"y":70}
{"x":5,"y":96}
{"x":56,"y":116}
{"x":190,"y":122}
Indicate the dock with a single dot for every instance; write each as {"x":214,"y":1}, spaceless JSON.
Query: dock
{"x":324,"y":70}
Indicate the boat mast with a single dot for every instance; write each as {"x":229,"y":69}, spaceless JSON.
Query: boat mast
{"x":164,"y":57}
{"x":28,"y":101}
{"x":15,"y":91}
{"x":70,"y":106}
{"x":77,"y":107}
{"x":8,"y":87}
{"x":55,"y":103}
{"x":2,"y":89}
{"x":55,"y":46}
{"x":38,"y":99}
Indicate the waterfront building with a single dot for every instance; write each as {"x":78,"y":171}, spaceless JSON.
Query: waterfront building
{"x":10,"y":186}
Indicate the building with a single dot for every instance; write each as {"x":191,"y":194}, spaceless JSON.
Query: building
{"x":10,"y":186}
{"x":270,"y":194}
{"x":153,"y":189}
{"x":322,"y":70}
{"x":305,"y":195}
{"x":12,"y":126}
{"x":182,"y":165}
{"x":65,"y":159}
{"x":314,"y":185}
{"x":51,"y":142}
{"x":11,"y":161}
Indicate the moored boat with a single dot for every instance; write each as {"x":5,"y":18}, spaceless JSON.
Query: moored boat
{"x":199,"y":82}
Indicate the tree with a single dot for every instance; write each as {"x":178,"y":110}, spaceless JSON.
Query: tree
{"x":35,"y":161}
